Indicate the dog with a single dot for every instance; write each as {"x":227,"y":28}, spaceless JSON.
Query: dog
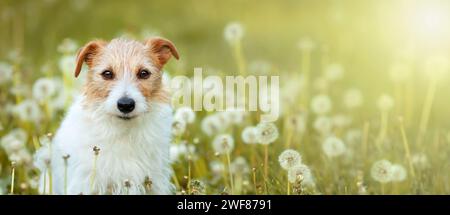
{"x":115,"y":137}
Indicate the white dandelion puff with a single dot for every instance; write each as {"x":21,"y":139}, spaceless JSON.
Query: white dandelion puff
{"x":334,"y":72}
{"x":301,"y":172}
{"x":306,"y":44}
{"x":185,"y":114}
{"x":223,"y":144}
{"x":14,"y":141}
{"x":67,"y":63}
{"x":381,"y":171}
{"x":250,"y":135}
{"x":42,"y":158}
{"x":289,"y":158}
{"x":398,"y":173}
{"x":353,"y":136}
{"x":267,"y":133}
{"x":178,"y":127}
{"x":323,"y":125}
{"x":419,"y":160}
{"x":353,"y":98}
{"x":233,"y":32}
{"x":240,"y":166}
{"x":385,"y":102}
{"x":234,"y":116}
{"x":298,"y":122}
{"x":68,"y":46}
{"x":341,"y":120}
{"x":321,"y":104}
{"x":28,"y":110}
{"x":44,"y":88}
{"x":212,"y":124}
{"x":6,"y":72}
{"x":260,"y":67}
{"x":333,"y":146}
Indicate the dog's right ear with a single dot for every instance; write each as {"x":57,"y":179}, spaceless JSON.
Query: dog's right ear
{"x":87,"y":53}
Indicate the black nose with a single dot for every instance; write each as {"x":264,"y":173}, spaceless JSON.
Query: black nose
{"x":125,"y":105}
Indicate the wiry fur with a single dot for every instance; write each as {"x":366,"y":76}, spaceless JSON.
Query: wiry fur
{"x":129,"y":149}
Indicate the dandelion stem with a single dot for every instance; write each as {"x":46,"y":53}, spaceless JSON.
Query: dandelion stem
{"x":175,"y":180}
{"x":230,"y":174}
{"x":13,"y":173}
{"x":288,"y":186}
{"x":365,"y":138}
{"x":406,"y":147}
{"x":239,"y":57}
{"x":254,"y":180}
{"x":266,"y":165}
{"x":94,"y":169}
{"x":426,"y":110}
{"x":65,"y":157}
{"x":383,"y":129}
{"x":189,"y":176}
{"x":45,"y":182}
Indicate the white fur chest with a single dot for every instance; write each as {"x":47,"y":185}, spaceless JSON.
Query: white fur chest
{"x":130,"y":150}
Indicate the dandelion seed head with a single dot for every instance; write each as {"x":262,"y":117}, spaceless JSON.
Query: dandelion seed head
{"x":385,"y":102}
{"x":68,"y":46}
{"x":289,"y":158}
{"x":233,"y":32}
{"x":240,"y":166}
{"x":28,"y":110}
{"x":306,"y":44}
{"x":301,"y":172}
{"x":42,"y":158}
{"x":127,"y":183}
{"x":333,"y":147}
{"x":341,"y":120}
{"x":96,"y":150}
{"x":67,"y":63}
{"x":223,"y":144}
{"x":260,"y":67}
{"x":381,"y":171}
{"x":44,"y":88}
{"x":212,"y":125}
{"x":398,"y":173}
{"x":334,"y":72}
{"x":353,"y":98}
{"x":178,"y":127}
{"x":216,"y":167}
{"x":419,"y":160}
{"x":353,"y":136}
{"x":323,"y":125}
{"x":298,"y":122}
{"x":250,"y":135}
{"x":14,"y":140}
{"x":197,"y":187}
{"x":235,"y":116}
{"x":321,"y":104}
{"x":6,"y":72}
{"x":185,"y":114}
{"x":267,"y":132}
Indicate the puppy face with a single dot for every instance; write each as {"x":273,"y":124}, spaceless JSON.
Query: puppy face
{"x":124,"y":76}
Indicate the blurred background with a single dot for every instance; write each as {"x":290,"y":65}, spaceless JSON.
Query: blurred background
{"x":367,"y":36}
{"x":399,"y":48}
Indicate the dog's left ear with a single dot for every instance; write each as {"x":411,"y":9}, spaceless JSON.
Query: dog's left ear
{"x":161,"y":50}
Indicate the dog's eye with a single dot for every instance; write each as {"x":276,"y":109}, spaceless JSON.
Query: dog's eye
{"x":107,"y":75}
{"x":143,"y":74}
